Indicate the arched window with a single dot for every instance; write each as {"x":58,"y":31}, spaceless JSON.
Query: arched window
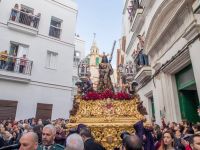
{"x":97,"y":61}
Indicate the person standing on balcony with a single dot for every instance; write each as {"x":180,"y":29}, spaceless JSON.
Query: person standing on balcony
{"x":36,"y":20}
{"x":14,"y":12}
{"x":3,"y":59}
{"x":22,"y":64}
{"x":11,"y":63}
{"x":143,"y":58}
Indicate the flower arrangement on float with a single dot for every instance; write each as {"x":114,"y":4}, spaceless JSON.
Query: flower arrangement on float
{"x":94,"y":95}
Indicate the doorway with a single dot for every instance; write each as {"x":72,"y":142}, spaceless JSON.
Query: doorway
{"x":188,"y":96}
{"x":44,"y":111}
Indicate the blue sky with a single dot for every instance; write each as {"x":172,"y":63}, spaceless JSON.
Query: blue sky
{"x":103,"y":17}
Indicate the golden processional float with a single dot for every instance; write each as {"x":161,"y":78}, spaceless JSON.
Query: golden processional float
{"x":105,"y":112}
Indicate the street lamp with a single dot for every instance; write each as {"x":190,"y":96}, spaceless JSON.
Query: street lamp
{"x":127,"y":74}
{"x":83,"y":70}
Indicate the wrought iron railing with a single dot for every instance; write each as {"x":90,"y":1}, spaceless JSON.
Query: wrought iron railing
{"x":135,"y":4}
{"x":25,"y":18}
{"x":14,"y":64}
{"x":137,"y":60}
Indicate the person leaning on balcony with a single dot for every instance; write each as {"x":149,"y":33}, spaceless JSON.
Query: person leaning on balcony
{"x":14,"y":12}
{"x":143,"y":58}
{"x":22,"y":64}
{"x":36,"y":20}
{"x":11,"y":63}
{"x":3,"y":59}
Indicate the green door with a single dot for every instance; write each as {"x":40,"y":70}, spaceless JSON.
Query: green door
{"x":189,"y":102}
{"x":187,"y":92}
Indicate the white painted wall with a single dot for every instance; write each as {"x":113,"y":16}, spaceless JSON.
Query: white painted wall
{"x":165,"y":90}
{"x":195,"y":55}
{"x":51,"y":86}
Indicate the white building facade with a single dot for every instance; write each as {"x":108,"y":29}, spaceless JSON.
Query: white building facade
{"x":169,"y":84}
{"x":43,"y":31}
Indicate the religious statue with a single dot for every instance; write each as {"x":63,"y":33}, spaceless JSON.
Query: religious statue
{"x":104,"y":57}
{"x":105,"y":70}
{"x":141,"y":108}
{"x":84,"y":86}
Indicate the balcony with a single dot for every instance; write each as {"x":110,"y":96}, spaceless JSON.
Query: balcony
{"x":24,"y":22}
{"x":143,"y":75}
{"x":15,"y":69}
{"x":143,"y":70}
{"x":137,"y":19}
{"x":196,"y":6}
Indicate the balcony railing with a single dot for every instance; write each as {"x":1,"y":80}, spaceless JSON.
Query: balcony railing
{"x":25,"y":18}
{"x":14,"y":64}
{"x":140,"y":60}
{"x":133,"y":8}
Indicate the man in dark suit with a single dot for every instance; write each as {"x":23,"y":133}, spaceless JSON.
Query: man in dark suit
{"x":89,"y":142}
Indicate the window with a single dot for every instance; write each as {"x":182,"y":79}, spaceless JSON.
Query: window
{"x":76,"y":58}
{"x":51,"y":59}
{"x":55,"y":27}
{"x":18,"y":49}
{"x":97,"y":61}
{"x":27,"y":9}
{"x":88,"y":60}
{"x":77,"y":54}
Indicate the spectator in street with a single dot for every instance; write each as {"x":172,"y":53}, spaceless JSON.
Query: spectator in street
{"x":139,"y":129}
{"x":60,"y":136}
{"x":195,"y":142}
{"x":89,"y":142}
{"x":132,"y":142}
{"x":148,"y":141}
{"x":38,"y":130}
{"x":48,"y":137}
{"x":74,"y":142}
{"x":29,"y":141}
{"x":167,"y":141}
{"x":196,"y":128}
{"x":6,"y":139}
{"x":177,"y":139}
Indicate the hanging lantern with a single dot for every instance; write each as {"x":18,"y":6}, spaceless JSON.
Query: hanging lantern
{"x":127,"y":72}
{"x":83,"y":70}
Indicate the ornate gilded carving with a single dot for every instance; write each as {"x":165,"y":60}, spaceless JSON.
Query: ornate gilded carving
{"x":107,"y":118}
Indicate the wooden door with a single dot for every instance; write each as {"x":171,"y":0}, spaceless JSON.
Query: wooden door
{"x":44,"y":111}
{"x":8,"y":109}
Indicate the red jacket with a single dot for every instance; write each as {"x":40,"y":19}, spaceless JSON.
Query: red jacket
{"x":188,"y":147}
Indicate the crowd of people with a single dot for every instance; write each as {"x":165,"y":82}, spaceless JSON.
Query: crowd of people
{"x":53,"y":135}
